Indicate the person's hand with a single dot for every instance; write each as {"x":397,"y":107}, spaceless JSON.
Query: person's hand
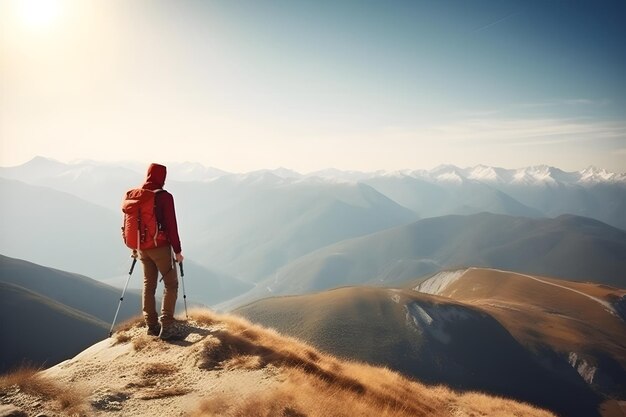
{"x":134,"y":254}
{"x":179,"y":257}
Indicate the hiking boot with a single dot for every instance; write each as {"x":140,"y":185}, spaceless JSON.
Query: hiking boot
{"x":154,"y":330}
{"x":169,"y":332}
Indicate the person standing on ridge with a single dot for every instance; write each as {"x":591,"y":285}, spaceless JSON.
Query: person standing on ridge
{"x":151,"y":230}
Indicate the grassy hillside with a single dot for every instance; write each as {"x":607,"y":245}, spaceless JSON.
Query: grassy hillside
{"x":225,"y":366}
{"x":582,"y":321}
{"x":430,"y":338}
{"x":40,"y":331}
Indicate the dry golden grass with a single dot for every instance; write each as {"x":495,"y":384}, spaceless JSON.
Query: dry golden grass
{"x":137,"y":321}
{"x":141,"y":342}
{"x":158,"y":369}
{"x":121,"y":330}
{"x":303,"y":395}
{"x":243,"y":362}
{"x":538,"y":314}
{"x":69,"y":400}
{"x":121,"y":338}
{"x":319,"y":385}
{"x":204,"y":316}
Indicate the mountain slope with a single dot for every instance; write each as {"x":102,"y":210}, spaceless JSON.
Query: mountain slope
{"x":429,"y":199}
{"x":248,"y":226}
{"x":569,"y":247}
{"x":427,"y":338}
{"x":228,"y":367}
{"x":602,"y":201}
{"x":583,"y":321}
{"x":60,"y":230}
{"x":30,"y":318}
{"x":68,"y":311}
{"x":72,"y":290}
{"x":102,"y":184}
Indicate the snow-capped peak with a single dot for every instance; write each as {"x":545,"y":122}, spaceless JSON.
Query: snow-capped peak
{"x":488,"y":174}
{"x":595,"y":175}
{"x":449,"y":174}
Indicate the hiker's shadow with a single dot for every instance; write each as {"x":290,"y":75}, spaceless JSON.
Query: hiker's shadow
{"x":188,"y":334}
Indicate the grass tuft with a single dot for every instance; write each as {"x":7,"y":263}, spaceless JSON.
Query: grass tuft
{"x":121,"y":338}
{"x":248,"y":362}
{"x":141,"y":342}
{"x":30,"y":381}
{"x":132,"y":323}
{"x":158,"y":369}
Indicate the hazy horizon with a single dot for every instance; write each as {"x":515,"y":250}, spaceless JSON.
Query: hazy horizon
{"x":310,"y":85}
{"x":140,"y":165}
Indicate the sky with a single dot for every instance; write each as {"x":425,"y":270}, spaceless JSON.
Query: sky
{"x":364,"y":85}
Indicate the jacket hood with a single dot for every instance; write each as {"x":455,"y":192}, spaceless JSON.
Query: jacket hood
{"x":155,"y":177}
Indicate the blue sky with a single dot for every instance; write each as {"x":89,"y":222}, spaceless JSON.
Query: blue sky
{"x":243,"y":85}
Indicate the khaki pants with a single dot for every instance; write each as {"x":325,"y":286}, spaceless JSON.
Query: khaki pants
{"x":154,"y":261}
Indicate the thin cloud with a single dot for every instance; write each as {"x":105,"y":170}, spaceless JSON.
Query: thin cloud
{"x":495,"y":22}
{"x":528,"y":131}
{"x":565,"y":102}
{"x":515,"y":107}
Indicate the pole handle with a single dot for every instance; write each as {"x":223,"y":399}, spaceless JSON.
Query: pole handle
{"x":182,"y":274}
{"x":132,"y":266}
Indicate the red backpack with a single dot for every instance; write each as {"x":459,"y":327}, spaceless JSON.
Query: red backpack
{"x":141,"y":228}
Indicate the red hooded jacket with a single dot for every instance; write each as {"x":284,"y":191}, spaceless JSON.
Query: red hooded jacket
{"x":165,"y":213}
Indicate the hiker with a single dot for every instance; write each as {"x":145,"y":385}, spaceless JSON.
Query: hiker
{"x":154,"y":241}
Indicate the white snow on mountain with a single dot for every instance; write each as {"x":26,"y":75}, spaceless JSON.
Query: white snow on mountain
{"x":337,"y":174}
{"x":439,"y":282}
{"x":488,"y":174}
{"x":593,"y":175}
{"x":193,"y":171}
{"x":539,"y":175}
{"x":447,"y":174}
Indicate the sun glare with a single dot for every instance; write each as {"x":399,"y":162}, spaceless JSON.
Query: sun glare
{"x":39,"y":14}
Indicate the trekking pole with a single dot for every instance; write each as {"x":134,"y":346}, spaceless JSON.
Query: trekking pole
{"x":182,"y":274}
{"x":122,"y":297}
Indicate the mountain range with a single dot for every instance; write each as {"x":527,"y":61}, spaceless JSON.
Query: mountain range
{"x":568,"y":247}
{"x":248,"y":226}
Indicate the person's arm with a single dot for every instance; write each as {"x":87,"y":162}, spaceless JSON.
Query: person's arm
{"x":171,"y":226}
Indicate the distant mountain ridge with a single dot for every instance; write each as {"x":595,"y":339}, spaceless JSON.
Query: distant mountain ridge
{"x":249,"y":226}
{"x":568,"y":247}
{"x":40,"y":167}
{"x":534,"y":191}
